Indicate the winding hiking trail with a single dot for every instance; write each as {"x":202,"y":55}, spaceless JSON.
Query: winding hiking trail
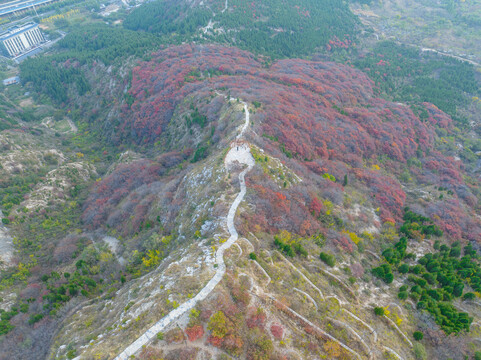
{"x":240,"y":153}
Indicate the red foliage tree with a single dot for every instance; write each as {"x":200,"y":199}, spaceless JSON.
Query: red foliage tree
{"x":315,"y":207}
{"x":277,"y":331}
{"x":195,"y":332}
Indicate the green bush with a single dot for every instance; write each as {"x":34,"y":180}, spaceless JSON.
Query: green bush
{"x":252,"y":256}
{"x":329,"y":259}
{"x":420,"y":352}
{"x":389,"y":278}
{"x":421,"y":305}
{"x":403,"y":269}
{"x":5,"y":317}
{"x":438,"y":278}
{"x":458,"y":289}
{"x":383,"y":272}
{"x":414,"y":222}
{"x":379,"y":311}
{"x":35,"y":318}
{"x":285,"y":248}
{"x":418,"y":335}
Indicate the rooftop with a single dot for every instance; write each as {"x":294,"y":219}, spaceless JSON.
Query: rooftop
{"x":11,"y":80}
{"x":16,"y":30}
{"x":19,"y":5}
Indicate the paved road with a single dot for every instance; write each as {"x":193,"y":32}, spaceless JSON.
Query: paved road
{"x":234,"y":155}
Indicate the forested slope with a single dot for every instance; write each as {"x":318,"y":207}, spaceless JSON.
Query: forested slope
{"x":274,"y":27}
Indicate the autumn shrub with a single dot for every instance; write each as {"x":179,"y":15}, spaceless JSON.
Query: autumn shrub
{"x":332,"y":348}
{"x":65,"y":249}
{"x":257,"y":319}
{"x":239,"y":292}
{"x":357,"y":270}
{"x":150,"y":353}
{"x":225,"y":325}
{"x":277,"y":331}
{"x":218,"y":324}
{"x":195,"y":332}
{"x":259,"y":346}
{"x":174,"y":336}
{"x":233,"y":344}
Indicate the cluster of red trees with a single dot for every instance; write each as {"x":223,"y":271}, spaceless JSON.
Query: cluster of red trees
{"x":319,"y":117}
{"x":123,"y":199}
{"x":159,"y":85}
{"x":109,"y":192}
{"x":275,"y":211}
{"x":336,"y":43}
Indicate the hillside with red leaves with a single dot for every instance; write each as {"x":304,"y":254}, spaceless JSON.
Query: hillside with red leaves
{"x":318,"y":118}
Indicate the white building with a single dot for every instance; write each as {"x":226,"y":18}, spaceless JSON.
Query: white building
{"x":20,"y":39}
{"x":10,"y":81}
